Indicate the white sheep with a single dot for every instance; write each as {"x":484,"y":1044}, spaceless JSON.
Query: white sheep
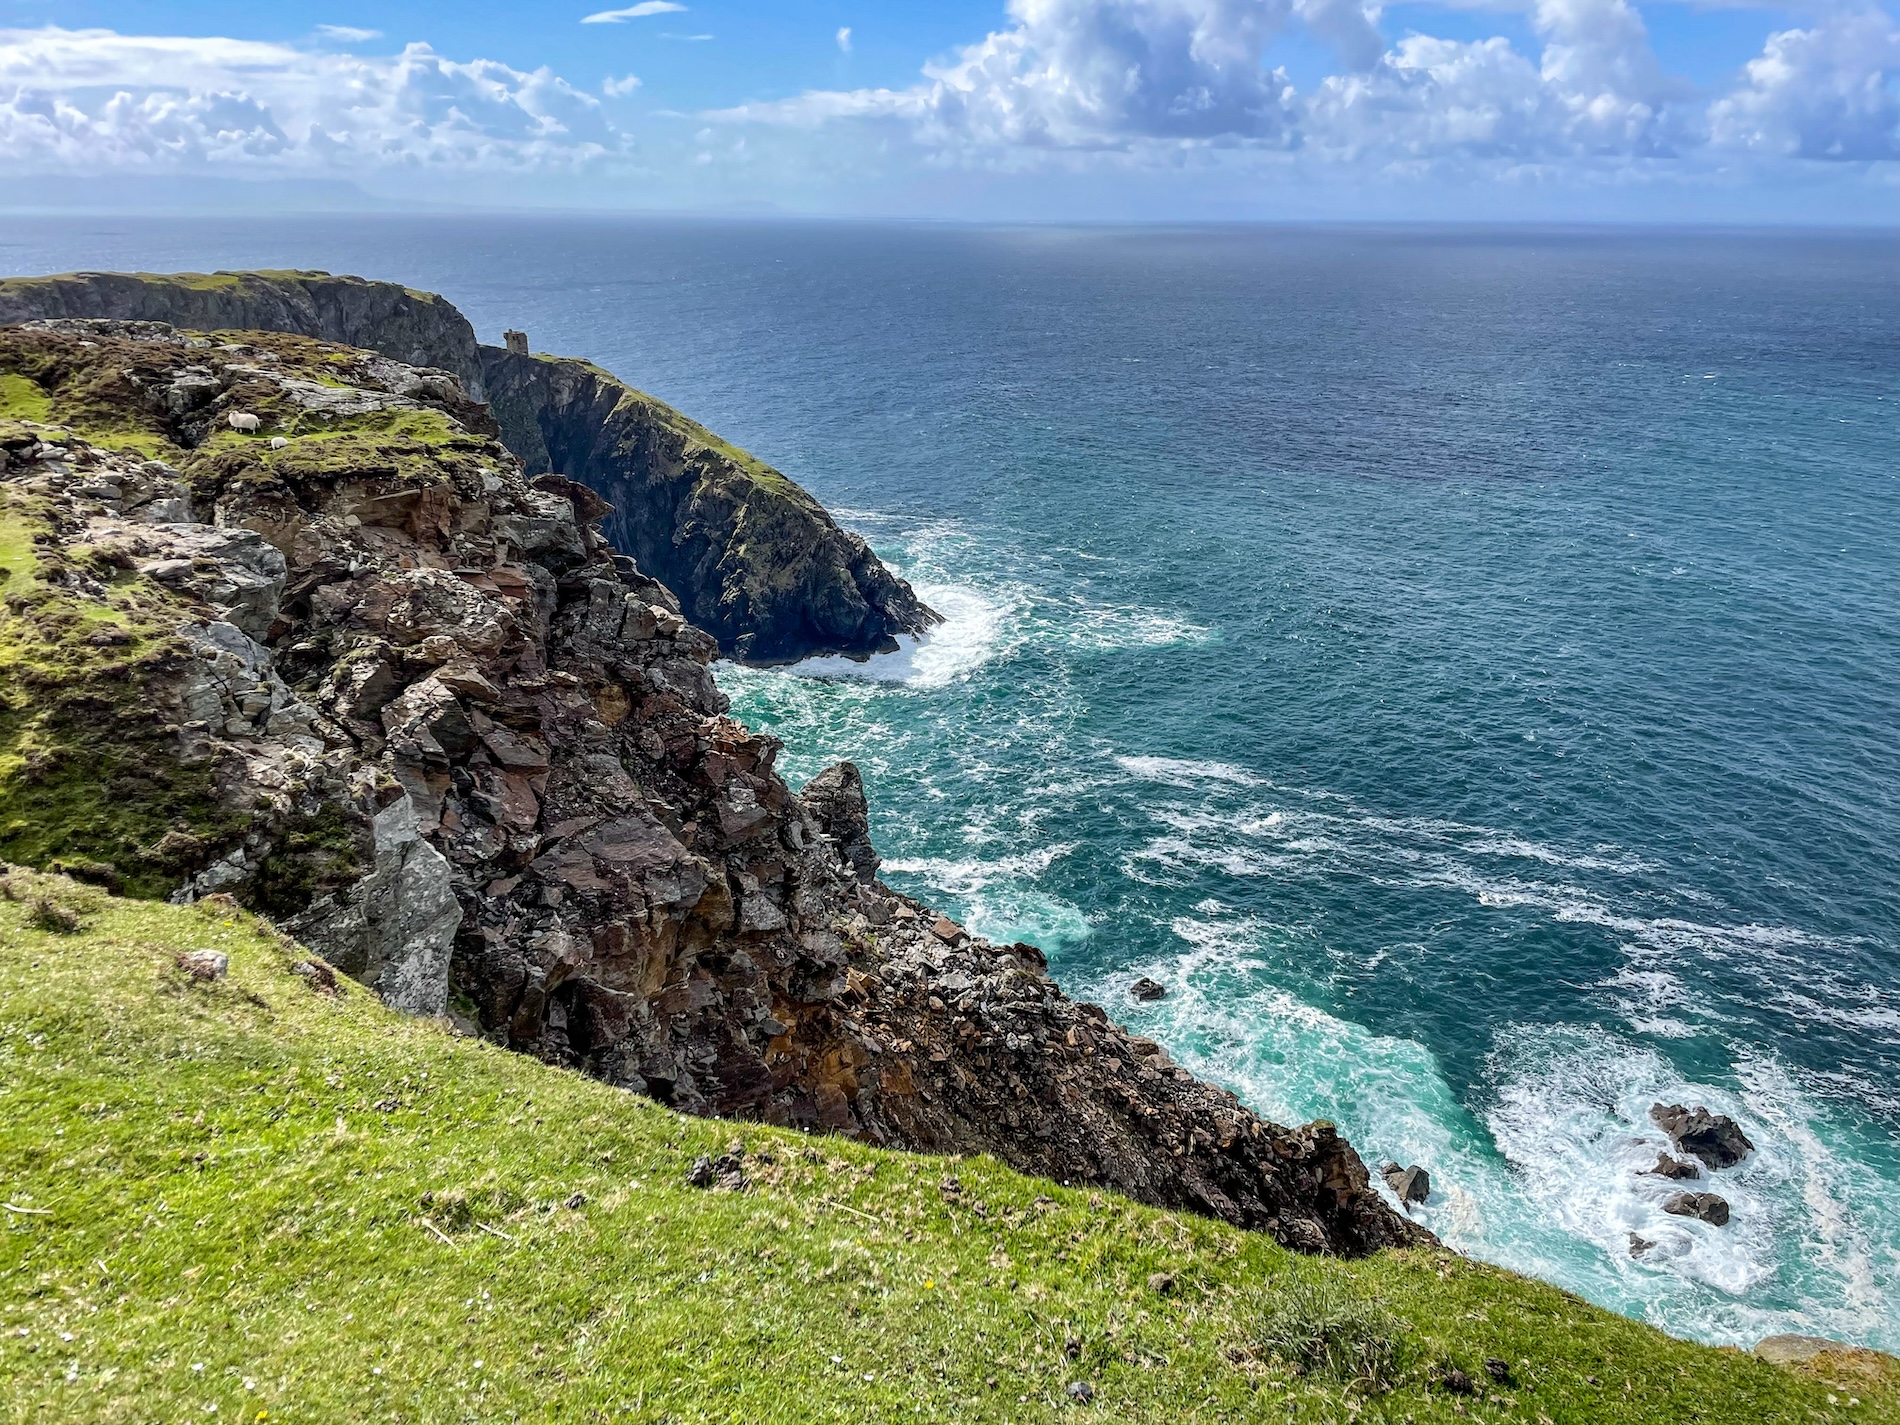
{"x":244,"y":421}
{"x":278,"y":442}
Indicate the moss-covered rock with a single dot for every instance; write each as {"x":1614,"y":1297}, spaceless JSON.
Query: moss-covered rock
{"x":89,"y":770}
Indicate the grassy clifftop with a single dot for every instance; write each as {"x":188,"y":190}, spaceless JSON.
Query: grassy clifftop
{"x":250,"y":1198}
{"x":420,"y":328}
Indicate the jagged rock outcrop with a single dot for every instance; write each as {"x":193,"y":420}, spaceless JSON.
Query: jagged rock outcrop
{"x":1714,"y":1138}
{"x":426,"y":717}
{"x":416,"y":328}
{"x":753,"y":559}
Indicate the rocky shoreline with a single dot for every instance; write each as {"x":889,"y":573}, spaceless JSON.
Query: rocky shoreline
{"x":358,"y":669}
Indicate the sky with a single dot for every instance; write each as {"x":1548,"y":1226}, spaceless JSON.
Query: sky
{"x":1066,"y":110}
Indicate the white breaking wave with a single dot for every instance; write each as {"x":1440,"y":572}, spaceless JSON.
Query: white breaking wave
{"x":1000,"y":899}
{"x":1572,"y":1117}
{"x":1530,"y":850}
{"x":1550,"y":1181}
{"x":1244,"y":825}
{"x":968,"y":637}
{"x":981,"y":623}
{"x":1538,"y":1165}
{"x":965,"y":877}
{"x":1107,"y":627}
{"x":1180,"y":772}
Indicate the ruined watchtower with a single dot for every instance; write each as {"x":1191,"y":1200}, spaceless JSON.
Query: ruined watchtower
{"x":516,"y":342}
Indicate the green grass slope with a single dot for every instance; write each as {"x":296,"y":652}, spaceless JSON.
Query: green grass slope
{"x":249,"y":1199}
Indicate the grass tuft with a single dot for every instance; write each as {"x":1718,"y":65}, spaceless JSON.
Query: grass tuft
{"x":48,"y":914}
{"x":1324,"y":1328}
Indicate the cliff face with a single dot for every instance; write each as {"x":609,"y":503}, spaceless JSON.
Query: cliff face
{"x":417,"y":328}
{"x":381,"y":684}
{"x":754,"y":560}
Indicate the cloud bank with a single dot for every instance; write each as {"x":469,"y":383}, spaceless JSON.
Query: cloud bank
{"x":1064,"y":90}
{"x":92,"y":101}
{"x":1152,"y":76}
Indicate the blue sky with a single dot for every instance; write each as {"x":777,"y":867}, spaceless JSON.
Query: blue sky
{"x":981,"y":108}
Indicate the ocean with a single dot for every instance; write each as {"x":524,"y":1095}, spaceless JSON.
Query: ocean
{"x":1462,"y":665}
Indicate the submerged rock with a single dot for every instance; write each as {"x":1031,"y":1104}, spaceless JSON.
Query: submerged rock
{"x":1836,"y":1360}
{"x":1714,"y":1138}
{"x":1668,"y":1167}
{"x":1788,"y":1349}
{"x":1704,"y":1206}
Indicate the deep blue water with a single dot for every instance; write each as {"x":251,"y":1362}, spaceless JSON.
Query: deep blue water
{"x":1462,"y":665}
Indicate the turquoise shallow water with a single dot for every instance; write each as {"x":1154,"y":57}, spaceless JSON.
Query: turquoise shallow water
{"x":1460,"y":664}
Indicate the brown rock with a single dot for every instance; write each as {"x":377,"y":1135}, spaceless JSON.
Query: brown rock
{"x":1715,"y":1138}
{"x":1455,"y":1381}
{"x":1668,"y":1167}
{"x":1411,"y":1184}
{"x":205,"y":965}
{"x":1705,"y":1206}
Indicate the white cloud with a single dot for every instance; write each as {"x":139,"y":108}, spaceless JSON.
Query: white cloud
{"x":1090,"y":74}
{"x":844,"y":38}
{"x":1830,"y":92}
{"x":1102,"y":72}
{"x":1155,"y":76}
{"x":87,"y":101}
{"x":1601,"y":73}
{"x":1597,"y":90}
{"x":348,"y":34}
{"x":1429,"y":97}
{"x":1132,"y":99}
{"x":632,"y":12}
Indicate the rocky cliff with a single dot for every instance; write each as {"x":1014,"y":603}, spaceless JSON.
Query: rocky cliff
{"x":417,"y":328}
{"x":754,"y":560}
{"x":361,"y":671}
